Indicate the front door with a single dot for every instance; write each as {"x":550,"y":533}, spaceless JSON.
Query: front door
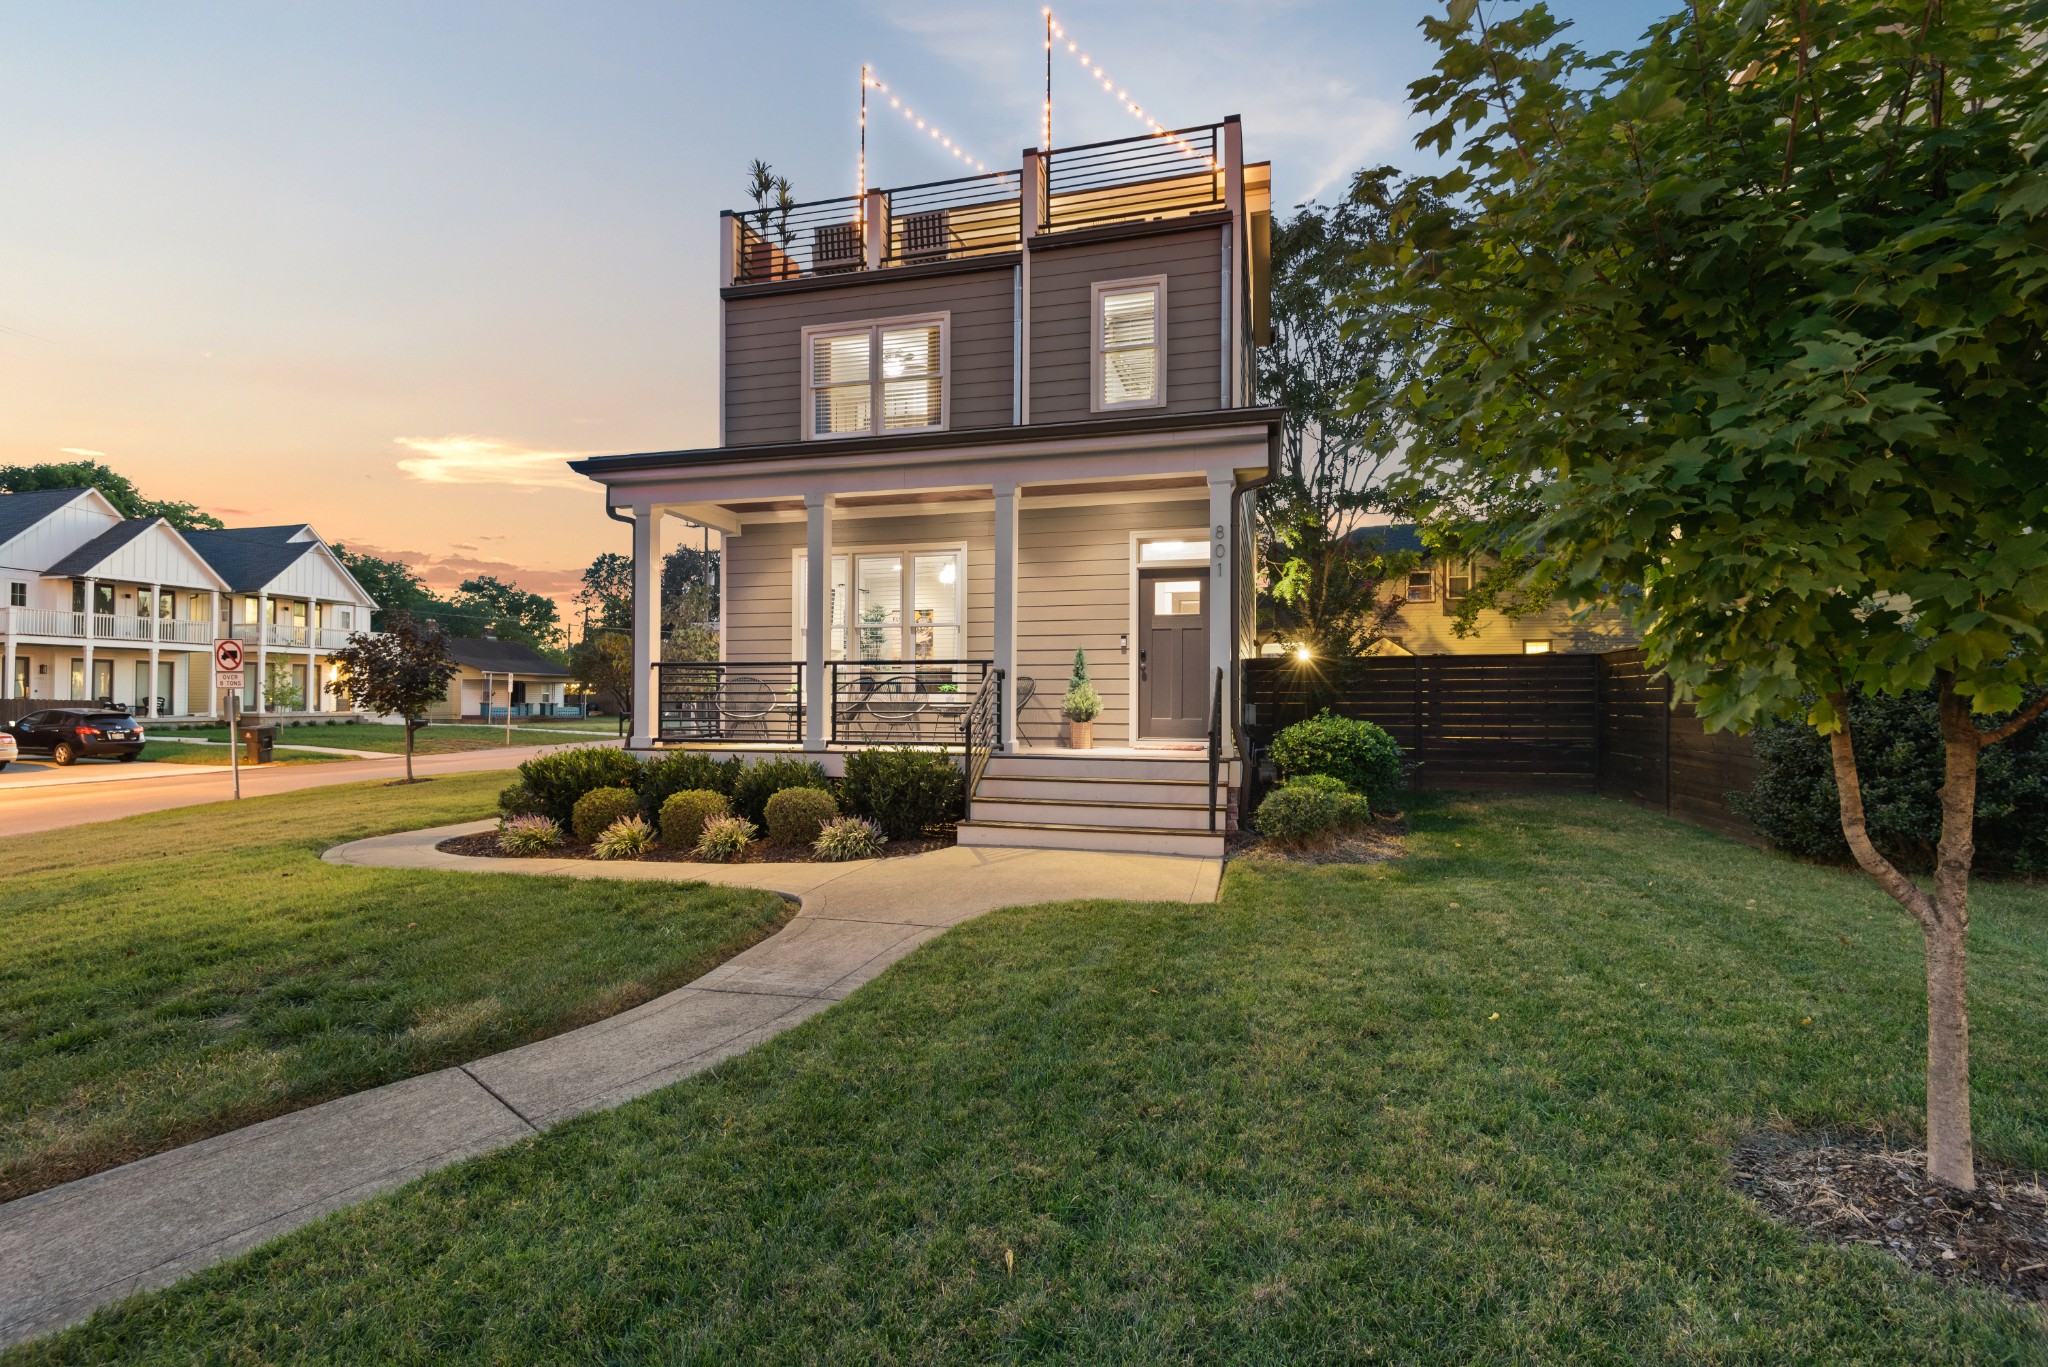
{"x":1173,"y":654}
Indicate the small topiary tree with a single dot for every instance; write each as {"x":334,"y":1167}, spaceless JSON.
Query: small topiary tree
{"x":753,"y":785}
{"x":1082,"y":702}
{"x":1359,"y":754}
{"x":598,"y":809}
{"x":903,"y":790}
{"x":683,"y":816}
{"x":795,"y":815}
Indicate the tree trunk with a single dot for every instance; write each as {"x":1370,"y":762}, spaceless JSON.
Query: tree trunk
{"x":409,"y":728}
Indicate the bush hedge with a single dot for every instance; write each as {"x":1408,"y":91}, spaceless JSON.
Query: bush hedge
{"x":903,"y":790}
{"x":1300,"y":814}
{"x":516,"y":800}
{"x":1357,"y":753}
{"x":561,"y":777}
{"x":683,"y":772}
{"x":795,"y":815}
{"x":1353,"y":809}
{"x":753,"y":785}
{"x":1899,"y":762}
{"x":683,"y":816}
{"x":598,"y":809}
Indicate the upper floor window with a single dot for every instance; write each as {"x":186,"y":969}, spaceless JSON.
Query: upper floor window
{"x":1421,"y":586}
{"x":1129,"y":353}
{"x":17,"y":595}
{"x":875,"y":377}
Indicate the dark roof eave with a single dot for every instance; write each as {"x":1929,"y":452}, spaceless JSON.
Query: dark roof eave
{"x":597,"y":466}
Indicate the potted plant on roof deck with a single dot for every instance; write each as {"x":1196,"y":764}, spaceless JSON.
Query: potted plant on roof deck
{"x":1081,"y":706}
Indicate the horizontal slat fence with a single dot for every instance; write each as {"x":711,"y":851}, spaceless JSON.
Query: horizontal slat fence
{"x":1554,"y":723}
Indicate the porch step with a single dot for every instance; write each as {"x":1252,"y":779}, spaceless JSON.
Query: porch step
{"x":1117,"y":839}
{"x":1036,"y":810}
{"x":1080,"y":788}
{"x":1128,"y":766}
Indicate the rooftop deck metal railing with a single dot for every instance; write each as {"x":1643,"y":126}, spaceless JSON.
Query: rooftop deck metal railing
{"x":1166,"y":174}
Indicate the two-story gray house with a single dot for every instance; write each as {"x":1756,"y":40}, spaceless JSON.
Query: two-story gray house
{"x":967,"y":428}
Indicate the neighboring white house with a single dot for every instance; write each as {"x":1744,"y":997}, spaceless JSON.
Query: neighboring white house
{"x":492,"y":674}
{"x":126,"y":610}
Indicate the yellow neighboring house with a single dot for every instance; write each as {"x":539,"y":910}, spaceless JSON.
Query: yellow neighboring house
{"x":1435,"y":589}
{"x":489,"y":672}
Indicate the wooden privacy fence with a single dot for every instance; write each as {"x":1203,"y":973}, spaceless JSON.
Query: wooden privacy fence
{"x":1556,"y":723}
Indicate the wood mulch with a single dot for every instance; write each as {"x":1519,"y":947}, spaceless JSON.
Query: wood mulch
{"x":484,"y":845}
{"x":1859,"y":1192}
{"x":1384,"y":839}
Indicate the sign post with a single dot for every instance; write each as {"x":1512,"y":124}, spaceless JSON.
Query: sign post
{"x":227,"y":678}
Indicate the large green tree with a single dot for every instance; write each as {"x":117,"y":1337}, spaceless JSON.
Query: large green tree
{"x":488,"y":603}
{"x":1747,"y":331}
{"x":119,"y":489}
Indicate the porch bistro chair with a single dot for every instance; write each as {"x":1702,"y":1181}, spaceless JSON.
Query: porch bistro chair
{"x":745,"y":702}
{"x":892,"y":703}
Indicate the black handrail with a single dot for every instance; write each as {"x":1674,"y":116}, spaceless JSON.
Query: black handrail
{"x":1215,"y":743}
{"x":981,"y":732}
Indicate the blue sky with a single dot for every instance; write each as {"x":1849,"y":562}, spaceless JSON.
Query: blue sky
{"x":379,"y":265}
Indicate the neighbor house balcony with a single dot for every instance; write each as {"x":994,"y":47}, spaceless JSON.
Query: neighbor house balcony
{"x":291,"y":635}
{"x":112,"y":628}
{"x":1173,"y":173}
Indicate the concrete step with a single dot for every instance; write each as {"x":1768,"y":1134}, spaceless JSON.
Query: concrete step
{"x":1037,"y":836}
{"x":1082,"y":789}
{"x":1053,"y":811}
{"x":1191,"y":768}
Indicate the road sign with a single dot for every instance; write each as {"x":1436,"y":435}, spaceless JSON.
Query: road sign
{"x":227,"y":656}
{"x":227,"y":682}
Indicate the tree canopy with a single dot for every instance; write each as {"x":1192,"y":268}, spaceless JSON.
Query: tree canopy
{"x":118,"y":488}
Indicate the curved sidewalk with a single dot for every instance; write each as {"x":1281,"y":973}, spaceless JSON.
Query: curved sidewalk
{"x":66,"y":1251}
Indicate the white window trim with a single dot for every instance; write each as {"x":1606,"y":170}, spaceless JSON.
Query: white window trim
{"x":1095,"y":293}
{"x":807,"y":422}
{"x":798,"y":555}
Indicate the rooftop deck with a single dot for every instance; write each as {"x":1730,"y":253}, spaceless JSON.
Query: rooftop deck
{"x":1169,"y":174}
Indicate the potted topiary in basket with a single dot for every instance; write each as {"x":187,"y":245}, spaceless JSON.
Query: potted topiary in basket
{"x":1081,"y":706}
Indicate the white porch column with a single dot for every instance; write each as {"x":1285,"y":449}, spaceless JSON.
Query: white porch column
{"x":156,"y":594}
{"x":262,"y":652}
{"x":312,"y":698}
{"x":817,"y":618}
{"x":1222,"y":580}
{"x":1006,"y":607}
{"x":91,"y":622}
{"x":7,"y":659}
{"x":646,"y":623}
{"x":212,"y":688}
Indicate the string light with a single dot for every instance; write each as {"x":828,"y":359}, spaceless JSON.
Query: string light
{"x":1055,"y":33}
{"x":910,"y":115}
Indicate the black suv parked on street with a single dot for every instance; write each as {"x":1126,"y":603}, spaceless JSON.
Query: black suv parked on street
{"x":68,"y":734}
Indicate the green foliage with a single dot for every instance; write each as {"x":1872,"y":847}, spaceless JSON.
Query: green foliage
{"x":1297,"y":814}
{"x":528,"y":835}
{"x":725,"y":838}
{"x":627,"y":838}
{"x":602,"y":664}
{"x":1744,"y":332}
{"x":559,"y":778}
{"x":489,"y":604}
{"x":1360,"y":755}
{"x":753,"y":785}
{"x":1082,"y":702}
{"x":516,"y":799}
{"x":849,"y":837}
{"x":597,"y":809}
{"x":795,"y":815}
{"x":398,"y":672}
{"x":902,"y":790}
{"x":118,"y":488}
{"x":1795,"y":804}
{"x":681,"y":772}
{"x":683,"y":816}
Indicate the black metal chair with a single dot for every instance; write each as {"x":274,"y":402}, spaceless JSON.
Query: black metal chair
{"x":746,"y":701}
{"x":893,"y":704}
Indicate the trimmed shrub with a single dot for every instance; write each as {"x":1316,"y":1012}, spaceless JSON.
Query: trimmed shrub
{"x":683,"y":772}
{"x":1353,"y":809}
{"x":561,"y":777}
{"x":1360,"y":755}
{"x":724,"y":838}
{"x":1328,"y":783}
{"x":518,"y":800}
{"x":849,"y":837}
{"x":903,"y":791}
{"x":683,"y":816}
{"x":1899,"y":760}
{"x":627,"y":838}
{"x":598,"y":809}
{"x":795,"y":815}
{"x":1299,"y":815}
{"x":528,"y":835}
{"x":756,"y":783}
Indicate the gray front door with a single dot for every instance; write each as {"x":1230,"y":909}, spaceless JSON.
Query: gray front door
{"x":1173,"y":654}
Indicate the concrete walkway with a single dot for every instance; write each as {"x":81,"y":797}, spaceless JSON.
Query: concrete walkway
{"x":285,"y":745}
{"x":66,"y":1251}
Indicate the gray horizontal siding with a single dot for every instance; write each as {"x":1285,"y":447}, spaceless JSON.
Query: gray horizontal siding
{"x":763,"y":346}
{"x":1061,"y":300}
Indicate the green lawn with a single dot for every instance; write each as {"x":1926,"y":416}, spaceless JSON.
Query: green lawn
{"x":170,"y":976}
{"x":1474,"y":1106}
{"x":173,"y":752}
{"x":434,"y":739}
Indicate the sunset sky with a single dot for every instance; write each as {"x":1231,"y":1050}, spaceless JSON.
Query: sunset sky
{"x":382,"y":266}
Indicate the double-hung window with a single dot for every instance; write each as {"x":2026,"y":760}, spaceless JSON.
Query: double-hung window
{"x":1128,"y":355}
{"x":872,"y":378}
{"x":901,"y":605}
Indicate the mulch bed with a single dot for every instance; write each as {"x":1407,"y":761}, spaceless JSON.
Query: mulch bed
{"x":484,"y":845}
{"x":1859,"y":1192}
{"x":1384,"y":839}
